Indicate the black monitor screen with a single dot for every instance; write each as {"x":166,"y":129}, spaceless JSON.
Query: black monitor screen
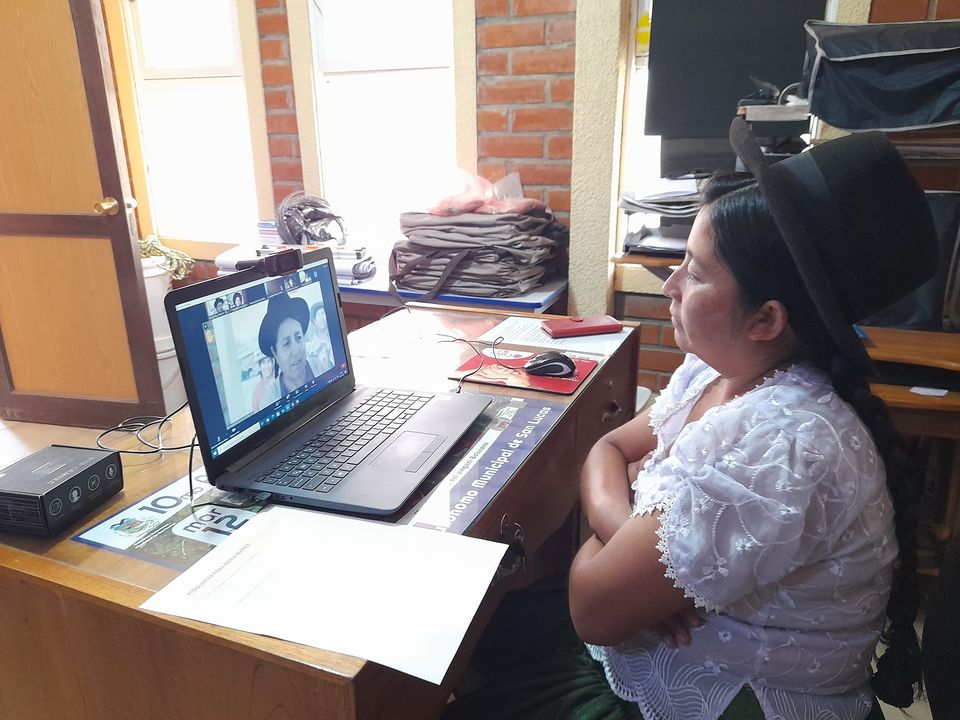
{"x":703,"y":52}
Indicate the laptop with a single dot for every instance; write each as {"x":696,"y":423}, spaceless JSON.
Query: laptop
{"x":275,"y":404}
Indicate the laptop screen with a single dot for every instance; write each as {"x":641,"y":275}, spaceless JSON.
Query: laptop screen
{"x":261,"y":349}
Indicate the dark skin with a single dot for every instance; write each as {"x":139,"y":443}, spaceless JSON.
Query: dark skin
{"x":743,"y":346}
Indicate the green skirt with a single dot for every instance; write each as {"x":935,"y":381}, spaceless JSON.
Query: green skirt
{"x":530,"y":664}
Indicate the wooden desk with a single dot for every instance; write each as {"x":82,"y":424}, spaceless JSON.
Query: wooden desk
{"x":74,"y":644}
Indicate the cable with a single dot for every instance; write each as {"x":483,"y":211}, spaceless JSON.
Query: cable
{"x":137,"y":425}
{"x":473,"y":344}
{"x":782,"y":97}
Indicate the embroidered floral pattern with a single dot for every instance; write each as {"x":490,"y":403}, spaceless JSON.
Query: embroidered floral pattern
{"x":763,"y":524}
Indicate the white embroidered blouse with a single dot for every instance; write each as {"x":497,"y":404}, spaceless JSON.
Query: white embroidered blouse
{"x":775,"y":519}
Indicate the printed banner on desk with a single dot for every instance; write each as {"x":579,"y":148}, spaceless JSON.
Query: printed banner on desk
{"x":517,"y":427}
{"x":164,"y":528}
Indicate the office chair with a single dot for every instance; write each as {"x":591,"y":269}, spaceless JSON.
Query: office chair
{"x":940,"y":654}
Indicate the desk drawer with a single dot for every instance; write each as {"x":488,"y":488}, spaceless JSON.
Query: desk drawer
{"x":611,"y":400}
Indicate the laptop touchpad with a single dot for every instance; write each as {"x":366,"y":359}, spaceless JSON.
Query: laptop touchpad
{"x":409,"y":451}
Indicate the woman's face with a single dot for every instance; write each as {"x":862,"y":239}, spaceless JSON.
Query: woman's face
{"x":266,"y":368}
{"x":290,"y":354}
{"x":707,"y":317}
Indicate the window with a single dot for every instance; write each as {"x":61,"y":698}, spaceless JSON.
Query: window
{"x":194,"y":121}
{"x":385,"y":110}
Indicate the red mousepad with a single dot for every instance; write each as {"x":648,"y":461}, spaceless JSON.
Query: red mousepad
{"x":493,"y":372}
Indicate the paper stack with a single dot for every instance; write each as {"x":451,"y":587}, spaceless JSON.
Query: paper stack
{"x":671,"y":198}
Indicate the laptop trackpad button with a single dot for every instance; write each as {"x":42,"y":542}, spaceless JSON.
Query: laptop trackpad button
{"x":409,"y":451}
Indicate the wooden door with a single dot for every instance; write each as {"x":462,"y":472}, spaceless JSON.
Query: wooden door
{"x":76,"y":346}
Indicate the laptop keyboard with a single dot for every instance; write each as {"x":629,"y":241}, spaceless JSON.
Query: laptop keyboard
{"x":327,"y":458}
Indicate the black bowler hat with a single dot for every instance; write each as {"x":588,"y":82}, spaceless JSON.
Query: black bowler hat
{"x":855,"y":222}
{"x":279,"y":308}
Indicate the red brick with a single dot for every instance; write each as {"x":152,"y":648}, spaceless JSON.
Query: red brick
{"x":492,"y":8}
{"x":649,"y":334}
{"x":281,"y":123}
{"x":277,"y":75}
{"x":282,"y":147}
{"x":269,"y":3}
{"x":669,"y":337}
{"x":897,"y":10}
{"x":544,"y":173}
{"x":536,"y":62}
{"x":646,"y":306}
{"x":504,"y":35}
{"x":278,"y":100}
{"x":659,"y":360}
{"x":561,"y":90}
{"x":648,"y":380}
{"x":559,"y":200}
{"x":948,"y":9}
{"x":561,"y":31}
{"x":560,"y":146}
{"x":286,"y":169}
{"x":543,"y":7}
{"x":491,"y":120}
{"x":282,"y":189}
{"x":515,"y":146}
{"x":490,"y":63}
{"x":273,"y":23}
{"x":491,"y":170}
{"x":502,"y":92}
{"x":562,"y":217}
{"x":273,"y":49}
{"x":542,"y":119}
{"x":533,"y":193}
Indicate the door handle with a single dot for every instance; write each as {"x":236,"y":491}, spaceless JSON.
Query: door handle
{"x":107,"y":206}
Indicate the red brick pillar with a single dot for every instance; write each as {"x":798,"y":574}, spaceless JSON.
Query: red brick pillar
{"x":525,"y":64}
{"x":286,"y":167}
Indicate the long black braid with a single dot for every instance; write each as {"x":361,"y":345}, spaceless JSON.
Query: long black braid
{"x":748,"y":243}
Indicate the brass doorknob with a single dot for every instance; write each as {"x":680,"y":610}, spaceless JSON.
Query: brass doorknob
{"x":107,"y":206}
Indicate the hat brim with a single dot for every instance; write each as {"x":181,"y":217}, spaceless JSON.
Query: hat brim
{"x":799,"y":240}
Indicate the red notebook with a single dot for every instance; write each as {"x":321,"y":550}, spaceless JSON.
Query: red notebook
{"x":494,"y":373}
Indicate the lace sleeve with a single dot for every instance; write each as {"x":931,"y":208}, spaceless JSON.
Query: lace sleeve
{"x":751,"y":494}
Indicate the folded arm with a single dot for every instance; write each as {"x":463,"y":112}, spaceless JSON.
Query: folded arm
{"x":618,"y":589}
{"x":606,"y":476}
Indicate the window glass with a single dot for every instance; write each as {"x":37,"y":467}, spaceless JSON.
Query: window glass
{"x":385,"y":111}
{"x":194,"y":119}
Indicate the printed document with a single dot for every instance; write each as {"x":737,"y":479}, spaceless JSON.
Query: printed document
{"x":398,"y":595}
{"x":527,"y":331}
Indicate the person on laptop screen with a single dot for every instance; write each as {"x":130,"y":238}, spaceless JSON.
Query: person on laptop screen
{"x":281,"y":337}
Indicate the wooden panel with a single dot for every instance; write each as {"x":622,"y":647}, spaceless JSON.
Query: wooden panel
{"x":898,"y":10}
{"x":56,"y":344}
{"x":45,"y":127}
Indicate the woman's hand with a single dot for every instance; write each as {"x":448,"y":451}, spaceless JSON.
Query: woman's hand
{"x":675,"y":630}
{"x":634,"y":468}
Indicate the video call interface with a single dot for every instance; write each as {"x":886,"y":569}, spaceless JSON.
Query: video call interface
{"x":259,"y":351}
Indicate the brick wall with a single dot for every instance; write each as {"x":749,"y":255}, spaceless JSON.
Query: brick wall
{"x":525,"y":64}
{"x":285,"y":165}
{"x":659,"y":355}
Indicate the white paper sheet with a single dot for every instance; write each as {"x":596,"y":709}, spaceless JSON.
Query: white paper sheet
{"x":400,"y":596}
{"x":527,"y":331}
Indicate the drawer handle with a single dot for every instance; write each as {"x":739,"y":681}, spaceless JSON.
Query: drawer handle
{"x":612,"y":412}
{"x":515,"y":557}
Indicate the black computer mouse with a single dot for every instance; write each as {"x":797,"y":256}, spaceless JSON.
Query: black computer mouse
{"x":552,"y":364}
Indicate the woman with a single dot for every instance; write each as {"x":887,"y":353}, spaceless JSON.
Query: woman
{"x":318,"y":339}
{"x":267,"y":390}
{"x":745,"y":528}
{"x":281,"y":337}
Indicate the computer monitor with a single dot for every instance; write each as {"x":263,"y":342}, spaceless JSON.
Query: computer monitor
{"x":702,"y":56}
